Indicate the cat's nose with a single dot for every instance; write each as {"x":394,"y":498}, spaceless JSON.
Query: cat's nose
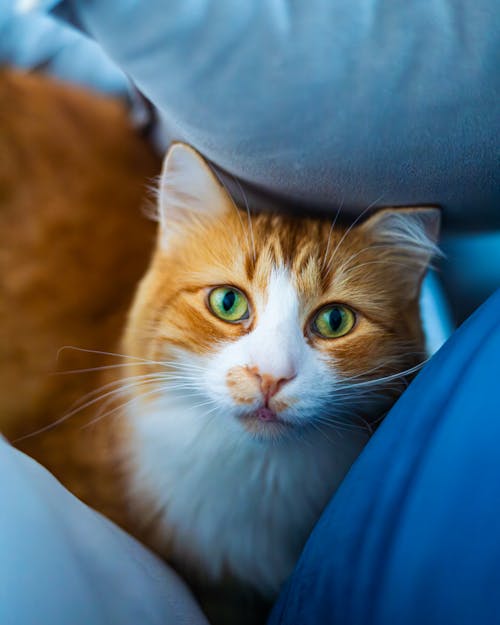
{"x":270,"y":385}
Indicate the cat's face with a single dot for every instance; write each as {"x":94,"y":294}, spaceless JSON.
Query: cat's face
{"x":274,"y":323}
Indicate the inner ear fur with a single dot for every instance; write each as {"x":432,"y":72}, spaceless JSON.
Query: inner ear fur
{"x":188,"y":190}
{"x":407,"y":237}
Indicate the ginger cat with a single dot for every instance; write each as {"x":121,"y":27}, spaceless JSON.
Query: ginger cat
{"x":258,"y":353}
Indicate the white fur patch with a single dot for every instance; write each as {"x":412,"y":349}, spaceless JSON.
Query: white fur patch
{"x":276,"y":347}
{"x":238,"y":504}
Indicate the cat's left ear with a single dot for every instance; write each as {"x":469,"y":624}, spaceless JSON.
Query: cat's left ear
{"x":188,"y":190}
{"x":405,"y":237}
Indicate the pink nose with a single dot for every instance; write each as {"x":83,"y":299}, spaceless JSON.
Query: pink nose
{"x":270,"y":386}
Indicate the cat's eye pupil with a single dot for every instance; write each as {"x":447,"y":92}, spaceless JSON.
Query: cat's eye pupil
{"x":228,"y":304}
{"x":228,"y":300}
{"x":335,"y":319}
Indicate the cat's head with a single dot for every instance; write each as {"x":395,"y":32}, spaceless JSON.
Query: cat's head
{"x":272,"y":323}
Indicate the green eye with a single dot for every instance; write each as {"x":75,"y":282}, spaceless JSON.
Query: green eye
{"x":334,"y":321}
{"x":228,"y":304}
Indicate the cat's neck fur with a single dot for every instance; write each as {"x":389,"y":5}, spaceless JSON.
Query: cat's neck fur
{"x":243,"y":506}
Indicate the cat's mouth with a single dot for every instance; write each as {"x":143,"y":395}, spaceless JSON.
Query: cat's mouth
{"x":267,"y":415}
{"x":264,"y":422}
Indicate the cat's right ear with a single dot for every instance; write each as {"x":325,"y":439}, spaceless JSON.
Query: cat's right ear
{"x":189,"y":191}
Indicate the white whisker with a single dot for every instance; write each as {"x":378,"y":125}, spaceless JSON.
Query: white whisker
{"x":387,"y":378}
{"x":174,"y":364}
{"x":332,"y":226}
{"x":243,"y":229}
{"x":342,"y":239}
{"x":247,"y":207}
{"x":120,"y":407}
{"x":70,"y":414}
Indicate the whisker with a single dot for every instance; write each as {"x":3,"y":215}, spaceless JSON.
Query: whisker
{"x":383,"y":364}
{"x":101,"y":368}
{"x":391,"y":262}
{"x":113,"y":383}
{"x":323,"y":433}
{"x":205,"y":403}
{"x":332,"y":226}
{"x":142,"y":395}
{"x":387,"y":378}
{"x":120,"y":407}
{"x":327,"y":419}
{"x":247,"y":207}
{"x":369,"y":248}
{"x":76,"y":410}
{"x":220,"y":179}
{"x":163,"y":363}
{"x":103,"y":353}
{"x":342,"y":239}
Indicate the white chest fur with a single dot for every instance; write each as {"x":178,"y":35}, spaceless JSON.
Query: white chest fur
{"x":242,"y":506}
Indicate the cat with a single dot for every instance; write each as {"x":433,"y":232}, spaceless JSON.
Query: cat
{"x":258,"y":354}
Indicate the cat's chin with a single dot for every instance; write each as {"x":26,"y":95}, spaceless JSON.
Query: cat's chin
{"x":265,"y":424}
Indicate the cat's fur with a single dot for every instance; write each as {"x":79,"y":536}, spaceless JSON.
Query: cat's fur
{"x":224,"y":495}
{"x":73,"y":245}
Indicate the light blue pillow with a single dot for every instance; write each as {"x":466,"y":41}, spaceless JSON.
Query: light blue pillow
{"x":33,"y":40}
{"x":62,"y":563}
{"x":324,"y":101}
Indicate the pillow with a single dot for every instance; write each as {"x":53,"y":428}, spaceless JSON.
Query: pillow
{"x":328,"y":102}
{"x":34,"y":40}
{"x":64,"y":563}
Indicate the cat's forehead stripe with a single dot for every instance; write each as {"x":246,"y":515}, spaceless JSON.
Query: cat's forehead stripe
{"x":280,"y":243}
{"x":250,"y":262}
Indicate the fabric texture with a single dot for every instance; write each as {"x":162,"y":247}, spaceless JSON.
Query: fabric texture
{"x":38,"y":41}
{"x":412,"y":534}
{"x":62,"y":563}
{"x":326,"y":102}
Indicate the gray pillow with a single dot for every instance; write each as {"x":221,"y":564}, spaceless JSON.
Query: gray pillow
{"x":324,"y":101}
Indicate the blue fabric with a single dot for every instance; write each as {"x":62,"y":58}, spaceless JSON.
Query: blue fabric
{"x":33,"y":40}
{"x":471,"y":271}
{"x":413,"y":536}
{"x":325,"y":101}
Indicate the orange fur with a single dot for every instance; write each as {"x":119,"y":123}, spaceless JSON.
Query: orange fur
{"x":243,"y":384}
{"x":74,"y":243}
